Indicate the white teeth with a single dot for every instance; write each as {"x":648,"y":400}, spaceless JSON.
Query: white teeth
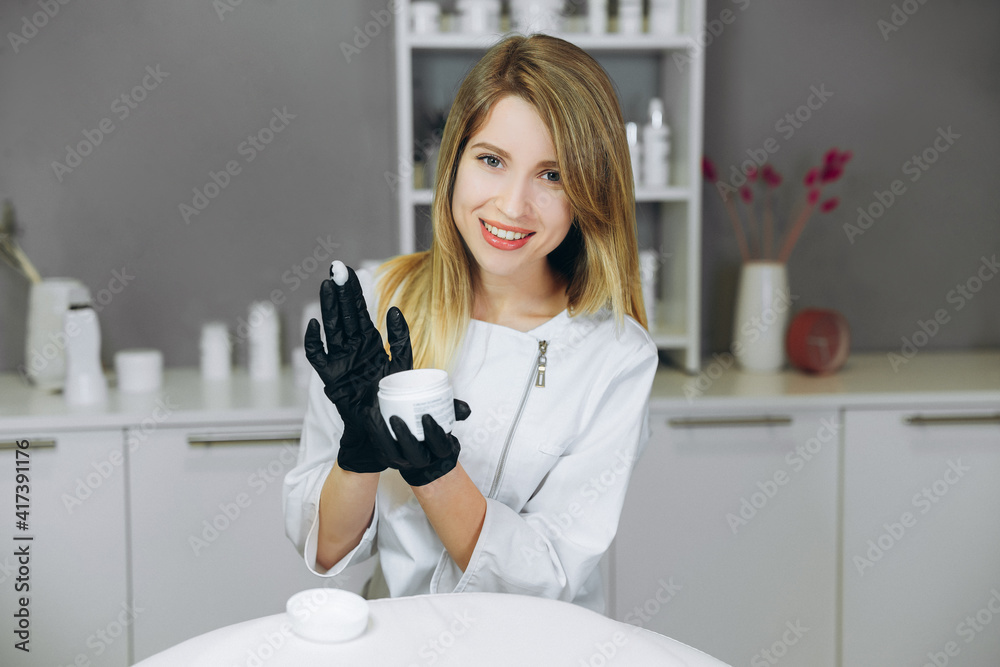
{"x":504,"y":233}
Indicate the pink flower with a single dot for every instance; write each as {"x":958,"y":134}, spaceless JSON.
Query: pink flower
{"x":771,"y":176}
{"x":708,"y":170}
{"x":829,"y":205}
{"x":831,"y":172}
{"x":811,"y":176}
{"x":746,"y":194}
{"x":752,"y":175}
{"x":813,"y":196}
{"x":832,"y":157}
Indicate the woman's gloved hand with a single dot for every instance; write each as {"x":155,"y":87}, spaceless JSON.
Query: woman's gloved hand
{"x":419,"y":462}
{"x":354,"y":362}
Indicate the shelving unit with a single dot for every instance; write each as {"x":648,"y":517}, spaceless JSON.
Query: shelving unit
{"x":642,"y":67}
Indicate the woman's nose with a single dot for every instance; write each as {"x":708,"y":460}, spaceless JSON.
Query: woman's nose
{"x":514,"y":200}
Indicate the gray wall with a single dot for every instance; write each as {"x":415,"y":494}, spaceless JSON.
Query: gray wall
{"x":940,"y":69}
{"x":322,"y":176}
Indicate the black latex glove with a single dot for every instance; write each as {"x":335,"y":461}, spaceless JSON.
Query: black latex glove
{"x":353,"y":363}
{"x":419,"y":462}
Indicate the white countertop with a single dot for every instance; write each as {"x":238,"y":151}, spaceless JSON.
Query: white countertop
{"x":867,"y":380}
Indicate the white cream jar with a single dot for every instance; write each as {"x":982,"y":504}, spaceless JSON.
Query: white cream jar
{"x":411,"y":394}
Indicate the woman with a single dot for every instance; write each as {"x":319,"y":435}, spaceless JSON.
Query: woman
{"x":530,"y":297}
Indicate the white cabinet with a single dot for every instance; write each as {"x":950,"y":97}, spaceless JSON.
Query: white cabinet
{"x":207,"y":535}
{"x":73,"y":570}
{"x":429,"y":68}
{"x":921,"y":560}
{"x":728,"y":537}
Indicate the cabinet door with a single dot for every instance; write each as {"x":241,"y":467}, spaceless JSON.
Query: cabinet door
{"x":922,"y":538}
{"x":728,"y":537}
{"x":72,"y":569}
{"x":208,"y":539}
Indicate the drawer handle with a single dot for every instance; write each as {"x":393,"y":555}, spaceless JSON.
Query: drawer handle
{"x":952,"y":420}
{"x":242,"y":439}
{"x":727,"y":421}
{"x":33,"y":444}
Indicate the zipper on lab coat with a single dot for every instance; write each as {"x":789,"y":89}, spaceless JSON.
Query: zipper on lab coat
{"x":538,"y":375}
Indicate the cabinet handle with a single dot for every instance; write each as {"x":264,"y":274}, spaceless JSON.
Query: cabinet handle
{"x":34,"y":444}
{"x":242,"y":439}
{"x":728,"y":421}
{"x":952,"y":420}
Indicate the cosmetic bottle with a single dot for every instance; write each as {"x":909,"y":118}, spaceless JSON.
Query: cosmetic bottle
{"x":634,"y":150}
{"x":630,"y":17}
{"x":597,"y":16}
{"x":216,"y":352}
{"x":656,"y":147}
{"x":664,"y":17}
{"x":264,"y":353}
{"x":85,"y":381}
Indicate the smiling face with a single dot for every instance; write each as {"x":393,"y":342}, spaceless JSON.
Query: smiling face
{"x":508,"y":203}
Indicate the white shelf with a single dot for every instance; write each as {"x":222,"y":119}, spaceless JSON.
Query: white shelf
{"x":608,"y":42}
{"x":676,"y":217}
{"x":424,"y":196}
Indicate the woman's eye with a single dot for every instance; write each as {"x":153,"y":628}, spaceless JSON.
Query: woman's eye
{"x":489,"y":160}
{"x":552,"y":176}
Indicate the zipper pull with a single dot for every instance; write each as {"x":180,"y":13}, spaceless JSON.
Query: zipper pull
{"x":540,"y":373}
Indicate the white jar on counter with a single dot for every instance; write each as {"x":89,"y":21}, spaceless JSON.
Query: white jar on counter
{"x":411,"y":394}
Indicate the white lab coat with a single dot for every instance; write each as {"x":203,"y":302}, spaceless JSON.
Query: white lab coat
{"x":552,"y":500}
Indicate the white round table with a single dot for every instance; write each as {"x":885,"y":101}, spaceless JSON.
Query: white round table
{"x":455,"y":629}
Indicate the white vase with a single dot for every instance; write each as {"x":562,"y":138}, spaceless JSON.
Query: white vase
{"x":763,"y":302}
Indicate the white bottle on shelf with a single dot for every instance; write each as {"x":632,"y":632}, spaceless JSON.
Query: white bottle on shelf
{"x":656,"y":147}
{"x":630,"y":17}
{"x":664,"y":17}
{"x":634,"y":150}
{"x":597,"y":16}
{"x":85,"y":381}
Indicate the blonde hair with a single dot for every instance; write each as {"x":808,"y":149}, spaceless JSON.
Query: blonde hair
{"x":575,"y":98}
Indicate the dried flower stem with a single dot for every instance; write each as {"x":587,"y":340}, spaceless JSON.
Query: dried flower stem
{"x":768,"y":226}
{"x":795,"y":231}
{"x":734,"y":216}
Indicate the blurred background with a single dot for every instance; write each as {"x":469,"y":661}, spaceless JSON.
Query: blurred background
{"x":133,"y":221}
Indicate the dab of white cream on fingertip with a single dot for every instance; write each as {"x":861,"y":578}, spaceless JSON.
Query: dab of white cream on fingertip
{"x":338,"y":271}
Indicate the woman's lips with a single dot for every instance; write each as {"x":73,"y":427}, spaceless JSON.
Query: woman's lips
{"x":503,"y":244}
